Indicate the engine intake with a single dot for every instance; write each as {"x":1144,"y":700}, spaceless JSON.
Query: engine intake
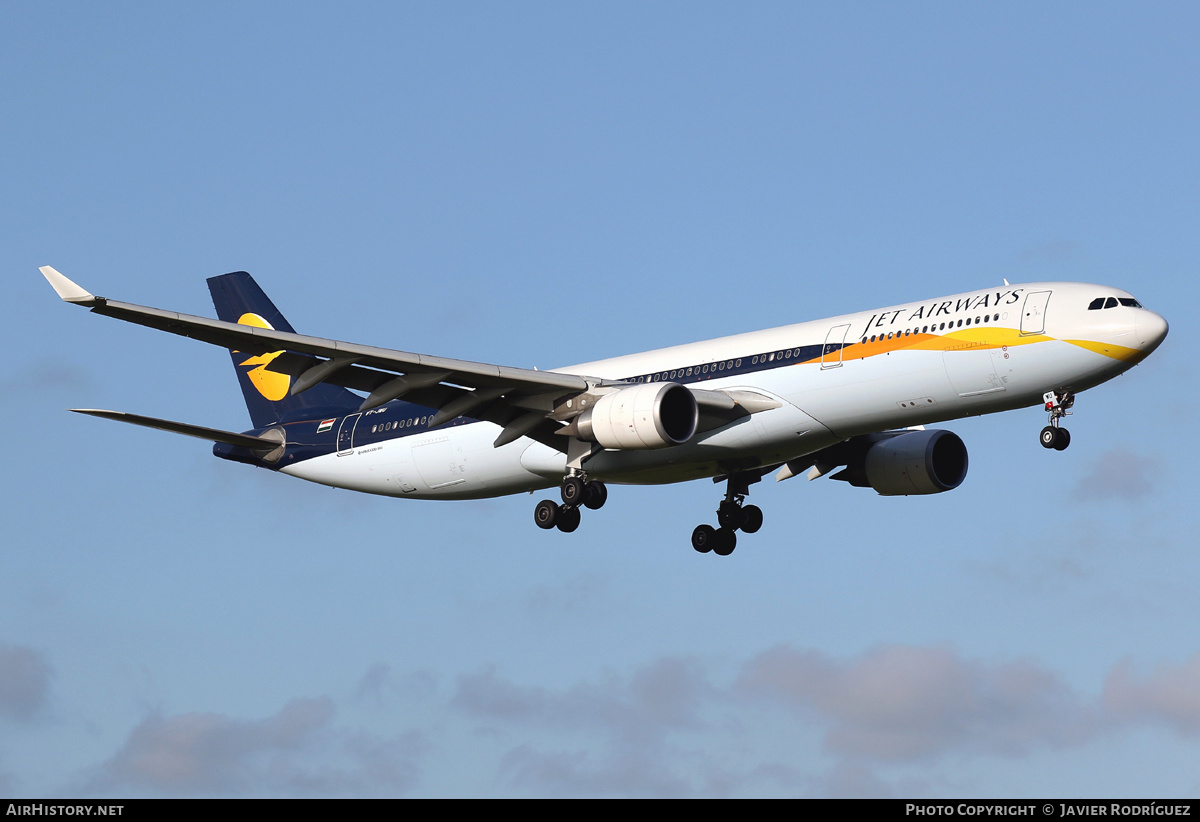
{"x":919,"y":462}
{"x":651,"y":415}
{"x":902,"y":464}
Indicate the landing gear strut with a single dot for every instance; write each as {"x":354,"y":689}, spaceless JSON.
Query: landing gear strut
{"x":1058,"y":404}
{"x":732,"y":516}
{"x":576,"y":490}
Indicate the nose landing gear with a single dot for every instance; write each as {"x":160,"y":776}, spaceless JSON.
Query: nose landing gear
{"x":1058,"y":404}
{"x":732,"y":516}
{"x":576,"y":490}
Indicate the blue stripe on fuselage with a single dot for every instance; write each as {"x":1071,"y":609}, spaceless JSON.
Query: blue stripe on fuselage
{"x":340,"y":431}
{"x":398,"y":419}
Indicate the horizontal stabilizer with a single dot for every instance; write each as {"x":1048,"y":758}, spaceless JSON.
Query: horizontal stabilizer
{"x":199,"y":431}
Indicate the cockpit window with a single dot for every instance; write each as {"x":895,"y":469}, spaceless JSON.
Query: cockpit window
{"x":1113,"y":302}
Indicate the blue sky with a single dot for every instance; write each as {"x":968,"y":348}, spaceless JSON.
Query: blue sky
{"x":542,"y":184}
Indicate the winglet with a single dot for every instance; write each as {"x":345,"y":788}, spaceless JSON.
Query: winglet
{"x":69,"y":291}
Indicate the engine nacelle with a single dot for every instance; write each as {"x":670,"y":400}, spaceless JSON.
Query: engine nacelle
{"x":651,"y":415}
{"x":918,"y":462}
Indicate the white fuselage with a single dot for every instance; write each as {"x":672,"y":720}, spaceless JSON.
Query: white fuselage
{"x":931,"y":361}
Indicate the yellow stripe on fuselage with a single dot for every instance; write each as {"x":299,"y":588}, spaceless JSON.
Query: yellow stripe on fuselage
{"x":1116,"y":352}
{"x":976,"y":339}
{"x":958,"y":340}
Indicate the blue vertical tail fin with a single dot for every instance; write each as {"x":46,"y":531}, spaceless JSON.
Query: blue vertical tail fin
{"x":238,"y":299}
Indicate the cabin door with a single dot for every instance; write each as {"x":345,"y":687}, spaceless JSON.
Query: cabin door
{"x":346,"y":434}
{"x":1033,"y":315}
{"x":831,"y":352}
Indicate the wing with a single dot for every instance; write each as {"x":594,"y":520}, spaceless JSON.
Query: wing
{"x":523,"y":402}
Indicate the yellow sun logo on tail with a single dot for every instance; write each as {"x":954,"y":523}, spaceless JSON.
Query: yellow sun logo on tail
{"x":270,"y":384}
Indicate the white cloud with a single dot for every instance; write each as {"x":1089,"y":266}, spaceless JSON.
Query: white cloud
{"x":1118,"y":474}
{"x":834,"y":726}
{"x":665,"y":694}
{"x":1171,"y":695}
{"x":901,"y":703}
{"x":294,"y":752}
{"x":24,"y":681}
{"x":581,"y":773}
{"x":1056,"y":252}
{"x":620,"y":736}
{"x":46,"y":376}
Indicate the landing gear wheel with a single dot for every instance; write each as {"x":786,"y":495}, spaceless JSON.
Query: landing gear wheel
{"x":1058,"y":403}
{"x":703,"y":538}
{"x":546,"y":514}
{"x":725,"y":542}
{"x":1049,"y":436}
{"x":595,"y":494}
{"x":568,"y":519}
{"x":752,"y":519}
{"x":572,"y":491}
{"x":730,"y":516}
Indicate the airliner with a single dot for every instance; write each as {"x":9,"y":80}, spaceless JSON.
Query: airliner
{"x":849,"y":394}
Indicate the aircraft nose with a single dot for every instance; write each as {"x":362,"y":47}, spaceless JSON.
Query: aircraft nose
{"x":1151,"y":330}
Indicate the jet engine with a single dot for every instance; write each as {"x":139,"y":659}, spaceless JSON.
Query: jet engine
{"x":651,"y":415}
{"x":914,"y":462}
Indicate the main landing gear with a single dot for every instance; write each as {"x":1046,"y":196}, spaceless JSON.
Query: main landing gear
{"x":576,"y":490}
{"x":1058,"y":404}
{"x":732,"y":516}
